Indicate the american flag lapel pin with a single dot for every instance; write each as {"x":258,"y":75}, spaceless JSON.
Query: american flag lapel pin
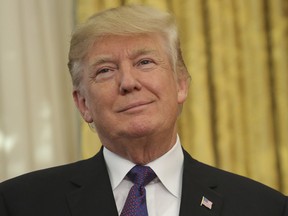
{"x":207,"y":203}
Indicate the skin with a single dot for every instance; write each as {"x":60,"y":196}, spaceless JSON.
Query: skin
{"x":131,"y":94}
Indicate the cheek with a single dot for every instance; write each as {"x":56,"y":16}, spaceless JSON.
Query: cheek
{"x":100,"y":99}
{"x":162,"y":81}
{"x":170,"y":87}
{"x":167,"y":93}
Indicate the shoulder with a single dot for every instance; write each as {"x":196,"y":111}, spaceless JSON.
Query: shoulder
{"x":50,"y":178}
{"x":45,"y":192}
{"x":213,"y":175}
{"x":237,"y":192}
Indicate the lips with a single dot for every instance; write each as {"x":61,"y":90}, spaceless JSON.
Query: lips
{"x":134,"y":106}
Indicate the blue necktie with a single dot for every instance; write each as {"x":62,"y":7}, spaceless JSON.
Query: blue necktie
{"x":135,"y":204}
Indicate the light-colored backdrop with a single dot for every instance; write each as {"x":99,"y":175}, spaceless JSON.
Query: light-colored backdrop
{"x":38,"y":122}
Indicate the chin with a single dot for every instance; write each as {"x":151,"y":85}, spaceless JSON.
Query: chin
{"x":137,"y":133}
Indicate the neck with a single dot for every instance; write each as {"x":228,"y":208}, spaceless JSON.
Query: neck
{"x":142,"y":150}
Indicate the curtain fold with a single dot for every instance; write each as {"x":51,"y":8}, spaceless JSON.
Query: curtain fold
{"x":38,"y":127}
{"x":236,"y":116}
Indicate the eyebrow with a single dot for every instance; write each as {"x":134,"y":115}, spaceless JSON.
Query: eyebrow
{"x":101,"y":59}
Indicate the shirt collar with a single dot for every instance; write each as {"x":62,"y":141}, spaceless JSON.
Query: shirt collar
{"x":168,"y":168}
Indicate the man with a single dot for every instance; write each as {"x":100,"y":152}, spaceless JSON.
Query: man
{"x":130,"y":83}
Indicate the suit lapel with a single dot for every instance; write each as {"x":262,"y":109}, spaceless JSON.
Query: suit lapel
{"x":195,"y":186}
{"x":91,"y":192}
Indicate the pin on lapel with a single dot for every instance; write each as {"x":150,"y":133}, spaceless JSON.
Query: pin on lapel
{"x":207,"y":203}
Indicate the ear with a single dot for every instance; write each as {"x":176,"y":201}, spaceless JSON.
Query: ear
{"x":183,"y":86}
{"x":80,"y":103}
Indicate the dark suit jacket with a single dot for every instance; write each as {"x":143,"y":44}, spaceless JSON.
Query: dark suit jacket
{"x":83,"y":189}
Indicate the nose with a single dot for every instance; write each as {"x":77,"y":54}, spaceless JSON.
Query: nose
{"x":128,"y":81}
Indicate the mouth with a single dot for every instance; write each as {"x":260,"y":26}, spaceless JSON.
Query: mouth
{"x":134,"y":107}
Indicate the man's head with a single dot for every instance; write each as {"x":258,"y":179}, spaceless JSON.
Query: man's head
{"x":126,"y":20}
{"x":130,"y":80}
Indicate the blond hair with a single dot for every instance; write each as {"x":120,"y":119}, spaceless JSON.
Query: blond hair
{"x":124,"y":20}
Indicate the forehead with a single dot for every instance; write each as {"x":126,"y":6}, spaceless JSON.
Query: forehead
{"x":127,"y":45}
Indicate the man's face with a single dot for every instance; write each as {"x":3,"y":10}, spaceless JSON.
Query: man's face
{"x":129,"y":89}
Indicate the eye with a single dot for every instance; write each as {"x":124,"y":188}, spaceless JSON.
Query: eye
{"x":103,"y":70}
{"x":103,"y":73}
{"x":145,"y":62}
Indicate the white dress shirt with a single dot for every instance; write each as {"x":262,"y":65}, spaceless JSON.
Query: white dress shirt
{"x":163,"y":194}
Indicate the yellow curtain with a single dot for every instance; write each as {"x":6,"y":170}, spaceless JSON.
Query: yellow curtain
{"x":236,"y":117}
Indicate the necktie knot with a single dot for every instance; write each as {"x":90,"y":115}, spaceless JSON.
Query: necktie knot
{"x":141,"y":175}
